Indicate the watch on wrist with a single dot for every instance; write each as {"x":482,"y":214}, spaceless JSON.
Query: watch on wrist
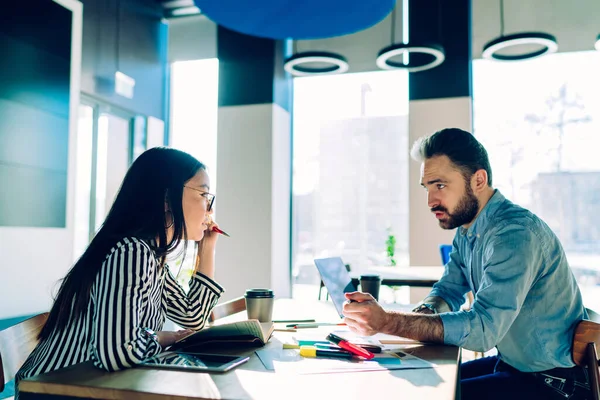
{"x":150,"y":333}
{"x":424,"y":306}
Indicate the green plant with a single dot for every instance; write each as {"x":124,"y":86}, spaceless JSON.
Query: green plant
{"x":391,"y":247}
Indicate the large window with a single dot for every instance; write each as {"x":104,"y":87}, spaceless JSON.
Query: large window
{"x":350,"y":182}
{"x":540,"y":121}
{"x":104,"y":153}
{"x":194,"y":113}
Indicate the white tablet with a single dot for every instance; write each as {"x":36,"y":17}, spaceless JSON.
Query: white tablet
{"x":194,"y":361}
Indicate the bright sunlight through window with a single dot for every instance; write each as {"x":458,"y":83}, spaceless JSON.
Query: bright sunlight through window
{"x":540,"y":121}
{"x":350,"y":172}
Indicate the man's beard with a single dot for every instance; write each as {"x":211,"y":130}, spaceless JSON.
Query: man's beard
{"x":465,"y":211}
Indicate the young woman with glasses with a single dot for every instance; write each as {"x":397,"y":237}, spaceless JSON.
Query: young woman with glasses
{"x":113,"y":303}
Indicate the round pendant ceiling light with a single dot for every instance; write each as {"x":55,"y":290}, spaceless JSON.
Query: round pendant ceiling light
{"x":312,"y":63}
{"x":303,"y":64}
{"x":434,"y":52}
{"x":384,"y":58}
{"x":545,"y":40}
{"x":597,"y":45}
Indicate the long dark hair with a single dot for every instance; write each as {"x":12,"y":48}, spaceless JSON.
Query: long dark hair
{"x":154,"y":179}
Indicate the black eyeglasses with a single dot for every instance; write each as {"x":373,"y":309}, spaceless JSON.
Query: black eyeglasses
{"x":210,"y":198}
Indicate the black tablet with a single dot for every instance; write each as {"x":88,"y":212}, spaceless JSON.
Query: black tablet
{"x":194,"y":361}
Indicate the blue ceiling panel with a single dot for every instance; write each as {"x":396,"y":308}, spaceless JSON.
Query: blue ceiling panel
{"x":296,"y":19}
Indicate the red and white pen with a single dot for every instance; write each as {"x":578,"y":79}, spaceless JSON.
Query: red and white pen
{"x":215,"y":229}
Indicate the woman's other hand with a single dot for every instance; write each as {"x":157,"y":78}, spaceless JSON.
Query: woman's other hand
{"x":167,"y":338}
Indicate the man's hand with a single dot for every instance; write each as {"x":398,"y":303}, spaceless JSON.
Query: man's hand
{"x":364,"y":315}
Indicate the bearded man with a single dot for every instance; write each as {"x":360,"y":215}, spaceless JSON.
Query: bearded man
{"x":526,"y":300}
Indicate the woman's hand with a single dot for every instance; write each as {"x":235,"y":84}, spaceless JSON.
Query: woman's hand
{"x":205,"y":259}
{"x":209,"y":241}
{"x":167,"y":338}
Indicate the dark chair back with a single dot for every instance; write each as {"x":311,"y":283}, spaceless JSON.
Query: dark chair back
{"x":586,"y":342}
{"x":16,"y":343}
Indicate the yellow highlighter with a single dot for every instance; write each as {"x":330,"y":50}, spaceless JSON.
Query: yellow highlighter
{"x":312,"y":352}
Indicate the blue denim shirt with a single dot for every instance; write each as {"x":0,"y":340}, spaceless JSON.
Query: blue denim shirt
{"x":527,"y":302}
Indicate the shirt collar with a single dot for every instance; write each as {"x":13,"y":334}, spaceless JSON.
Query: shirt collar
{"x":482,"y":221}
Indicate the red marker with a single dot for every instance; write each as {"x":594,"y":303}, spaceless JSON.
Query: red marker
{"x":215,"y":229}
{"x":350,"y":347}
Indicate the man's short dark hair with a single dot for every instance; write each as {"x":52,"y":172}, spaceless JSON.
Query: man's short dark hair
{"x":459,"y":146}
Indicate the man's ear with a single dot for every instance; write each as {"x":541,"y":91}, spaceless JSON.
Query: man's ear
{"x":479,"y":180}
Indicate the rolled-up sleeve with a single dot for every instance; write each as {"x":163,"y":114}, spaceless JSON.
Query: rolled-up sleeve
{"x":452,"y":286}
{"x":191,"y":310}
{"x":510,"y":263}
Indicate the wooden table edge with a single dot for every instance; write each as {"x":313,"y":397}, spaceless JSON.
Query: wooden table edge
{"x":36,"y":388}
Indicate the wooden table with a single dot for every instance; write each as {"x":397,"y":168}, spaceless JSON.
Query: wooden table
{"x":404,"y":276}
{"x":253,"y":381}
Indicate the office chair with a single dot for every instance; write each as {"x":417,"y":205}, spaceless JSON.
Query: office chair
{"x":16,"y":343}
{"x":585,"y":354}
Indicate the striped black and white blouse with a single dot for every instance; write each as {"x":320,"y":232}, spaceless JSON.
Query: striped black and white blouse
{"x":130,"y":293}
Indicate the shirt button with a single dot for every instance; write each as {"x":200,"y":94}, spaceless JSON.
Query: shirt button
{"x":130,"y":347}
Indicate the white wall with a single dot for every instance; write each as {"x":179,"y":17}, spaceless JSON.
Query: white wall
{"x":253,"y":164}
{"x":281,"y":186}
{"x":34,"y":259}
{"x":192,"y":38}
{"x":425,"y":118}
{"x":425,"y":235}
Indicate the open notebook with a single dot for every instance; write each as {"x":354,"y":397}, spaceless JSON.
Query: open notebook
{"x":250,"y":332}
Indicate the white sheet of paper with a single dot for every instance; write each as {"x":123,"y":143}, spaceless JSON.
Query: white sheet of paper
{"x":290,"y":361}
